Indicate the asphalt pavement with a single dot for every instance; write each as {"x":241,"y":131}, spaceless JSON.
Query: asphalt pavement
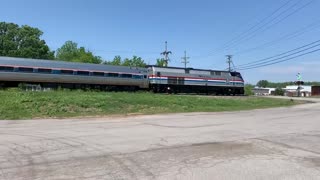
{"x":277,"y":143}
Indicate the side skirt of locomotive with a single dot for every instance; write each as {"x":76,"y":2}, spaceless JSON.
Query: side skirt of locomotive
{"x":215,"y":90}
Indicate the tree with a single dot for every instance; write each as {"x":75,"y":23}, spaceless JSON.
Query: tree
{"x":161,"y":62}
{"x":134,"y":62}
{"x":116,"y":61}
{"x":248,"y":89}
{"x":126,"y":62}
{"x":263,"y":83}
{"x":23,"y":41}
{"x":69,"y":51}
{"x":279,"y":92}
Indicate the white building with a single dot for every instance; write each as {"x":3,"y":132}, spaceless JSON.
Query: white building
{"x":263,"y":91}
{"x":293,"y":91}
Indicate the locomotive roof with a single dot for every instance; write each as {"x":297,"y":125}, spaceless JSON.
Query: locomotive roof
{"x":67,"y":65}
{"x":186,"y":68}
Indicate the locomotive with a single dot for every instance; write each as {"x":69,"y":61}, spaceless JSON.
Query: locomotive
{"x":54,"y":74}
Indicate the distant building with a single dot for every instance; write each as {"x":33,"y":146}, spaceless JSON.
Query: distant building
{"x":258,"y":91}
{"x":291,"y":91}
{"x":315,"y":91}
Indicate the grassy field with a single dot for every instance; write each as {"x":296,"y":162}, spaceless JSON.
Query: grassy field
{"x":25,"y":105}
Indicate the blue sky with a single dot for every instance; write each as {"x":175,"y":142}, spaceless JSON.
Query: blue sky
{"x":202,"y":28}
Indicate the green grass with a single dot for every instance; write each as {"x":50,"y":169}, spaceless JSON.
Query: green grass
{"x":26,"y":105}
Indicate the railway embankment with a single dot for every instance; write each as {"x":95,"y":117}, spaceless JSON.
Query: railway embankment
{"x":16,"y":104}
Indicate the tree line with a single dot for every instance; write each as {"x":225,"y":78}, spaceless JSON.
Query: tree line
{"x":25,"y":41}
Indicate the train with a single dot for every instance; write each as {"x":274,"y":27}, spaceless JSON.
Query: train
{"x":61,"y":74}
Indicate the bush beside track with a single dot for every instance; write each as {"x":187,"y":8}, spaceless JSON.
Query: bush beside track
{"x":16,"y":104}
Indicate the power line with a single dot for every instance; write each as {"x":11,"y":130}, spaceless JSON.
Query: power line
{"x":248,"y":32}
{"x":297,"y":33}
{"x":275,"y":23}
{"x":262,"y":63}
{"x":272,"y":57}
{"x":252,"y":27}
{"x":263,"y":24}
{"x":284,"y":59}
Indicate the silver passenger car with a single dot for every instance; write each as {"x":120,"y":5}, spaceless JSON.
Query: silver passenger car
{"x":60,"y":72}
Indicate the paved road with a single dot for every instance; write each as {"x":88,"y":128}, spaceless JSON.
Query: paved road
{"x":281,"y":143}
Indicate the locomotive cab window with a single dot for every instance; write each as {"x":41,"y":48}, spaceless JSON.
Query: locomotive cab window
{"x":236,"y":74}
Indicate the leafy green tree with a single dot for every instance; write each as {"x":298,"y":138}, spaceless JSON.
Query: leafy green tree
{"x":161,"y":62}
{"x":126,"y":62}
{"x":115,"y":62}
{"x":137,"y":62}
{"x":23,"y":41}
{"x":263,"y":83}
{"x":134,"y":62}
{"x":279,"y":92}
{"x":248,"y":89}
{"x":69,"y":51}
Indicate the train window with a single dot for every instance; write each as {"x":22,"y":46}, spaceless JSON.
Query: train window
{"x":187,"y":71}
{"x":47,"y":71}
{"x":218,"y":73}
{"x":69,"y":72}
{"x":126,"y":75}
{"x":158,"y":74}
{"x":83,"y":73}
{"x":97,"y":73}
{"x":112,"y":74}
{"x":26,"y":70}
{"x":54,"y":71}
{"x":6,"y":68}
{"x":137,"y":76}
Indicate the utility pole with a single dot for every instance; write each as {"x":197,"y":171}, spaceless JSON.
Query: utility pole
{"x":229,"y":61}
{"x":185,"y":59}
{"x":166,"y":55}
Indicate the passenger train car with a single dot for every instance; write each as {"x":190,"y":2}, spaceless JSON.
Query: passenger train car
{"x":54,"y":74}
